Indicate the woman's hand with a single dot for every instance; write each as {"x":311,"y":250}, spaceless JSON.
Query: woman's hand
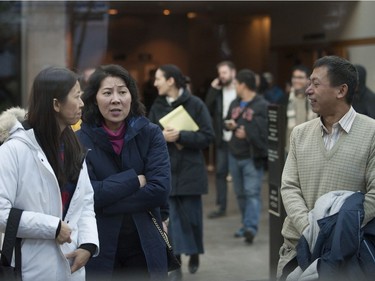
{"x":142,"y":181}
{"x":64,"y":234}
{"x":165,"y":225}
{"x":78,"y":259}
{"x":171,"y":135}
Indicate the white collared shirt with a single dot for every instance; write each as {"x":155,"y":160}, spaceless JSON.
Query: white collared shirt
{"x":229,"y":94}
{"x":343,"y":125}
{"x":172,"y":99}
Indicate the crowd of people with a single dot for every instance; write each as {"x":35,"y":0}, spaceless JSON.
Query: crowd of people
{"x":97,"y":202}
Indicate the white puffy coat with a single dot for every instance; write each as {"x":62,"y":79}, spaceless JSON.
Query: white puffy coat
{"x":28,"y":182}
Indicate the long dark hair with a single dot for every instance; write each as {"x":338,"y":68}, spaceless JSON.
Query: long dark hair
{"x":91,"y":114}
{"x":54,"y":83}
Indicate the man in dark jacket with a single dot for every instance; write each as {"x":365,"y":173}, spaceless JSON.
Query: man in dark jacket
{"x":364,"y":100}
{"x":247,"y":118}
{"x":219,"y":97}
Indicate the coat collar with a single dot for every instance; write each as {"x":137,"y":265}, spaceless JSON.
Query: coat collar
{"x":8,"y":121}
{"x":99,"y":136}
{"x":179,"y":101}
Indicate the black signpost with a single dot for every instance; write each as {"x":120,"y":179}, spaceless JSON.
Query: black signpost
{"x":276,"y":160}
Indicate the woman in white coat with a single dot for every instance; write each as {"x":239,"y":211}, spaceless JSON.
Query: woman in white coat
{"x":43,"y":172}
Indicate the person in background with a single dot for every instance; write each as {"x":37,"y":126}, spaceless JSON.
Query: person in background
{"x":220,"y":94}
{"x":129,"y":169}
{"x":273,"y":93}
{"x":261,"y":84}
{"x":44,"y":173}
{"x":189,"y":175}
{"x":299,"y":108}
{"x":189,"y":85}
{"x":149,"y":91}
{"x":330,"y":153}
{"x":364,"y":100}
{"x":247,"y":119}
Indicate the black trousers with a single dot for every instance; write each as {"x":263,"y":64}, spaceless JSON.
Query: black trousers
{"x":130,"y":262}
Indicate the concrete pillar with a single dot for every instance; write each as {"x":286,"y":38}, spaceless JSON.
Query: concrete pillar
{"x":43,"y":31}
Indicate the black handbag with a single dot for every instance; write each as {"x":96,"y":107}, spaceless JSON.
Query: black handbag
{"x":7,"y":272}
{"x":173,"y":262}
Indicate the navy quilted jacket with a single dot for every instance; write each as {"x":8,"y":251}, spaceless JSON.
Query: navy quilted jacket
{"x":346,"y":251}
{"x":116,"y":187}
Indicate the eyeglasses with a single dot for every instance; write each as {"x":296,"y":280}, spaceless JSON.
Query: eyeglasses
{"x":299,"y":77}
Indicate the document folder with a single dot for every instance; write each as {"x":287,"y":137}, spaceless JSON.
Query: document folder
{"x":179,"y":119}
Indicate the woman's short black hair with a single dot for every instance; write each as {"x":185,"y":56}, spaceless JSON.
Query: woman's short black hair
{"x":91,"y":113}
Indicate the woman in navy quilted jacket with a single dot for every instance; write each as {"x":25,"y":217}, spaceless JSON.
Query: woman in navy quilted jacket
{"x":129,"y":169}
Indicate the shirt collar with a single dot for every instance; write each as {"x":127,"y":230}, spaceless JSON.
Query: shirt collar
{"x":229,"y":88}
{"x":172,"y":99}
{"x":345,"y":122}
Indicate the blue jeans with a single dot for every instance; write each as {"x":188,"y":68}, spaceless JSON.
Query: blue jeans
{"x":247,"y":181}
{"x":221,"y":176}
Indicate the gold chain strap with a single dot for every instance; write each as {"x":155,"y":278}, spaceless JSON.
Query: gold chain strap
{"x":162,"y":233}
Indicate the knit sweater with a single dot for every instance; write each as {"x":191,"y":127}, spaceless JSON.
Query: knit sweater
{"x":311,"y":171}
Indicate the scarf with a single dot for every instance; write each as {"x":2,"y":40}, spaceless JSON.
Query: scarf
{"x":116,"y":138}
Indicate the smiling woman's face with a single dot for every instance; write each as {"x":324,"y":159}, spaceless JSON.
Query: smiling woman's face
{"x":162,"y":84}
{"x":114,"y":101}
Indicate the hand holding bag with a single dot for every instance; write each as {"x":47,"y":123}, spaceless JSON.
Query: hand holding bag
{"x":7,"y":272}
{"x":173,"y":262}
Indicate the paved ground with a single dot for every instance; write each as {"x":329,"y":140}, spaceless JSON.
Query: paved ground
{"x":227,"y":258}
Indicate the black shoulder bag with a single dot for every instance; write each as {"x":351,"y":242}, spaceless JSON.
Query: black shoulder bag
{"x":7,"y":272}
